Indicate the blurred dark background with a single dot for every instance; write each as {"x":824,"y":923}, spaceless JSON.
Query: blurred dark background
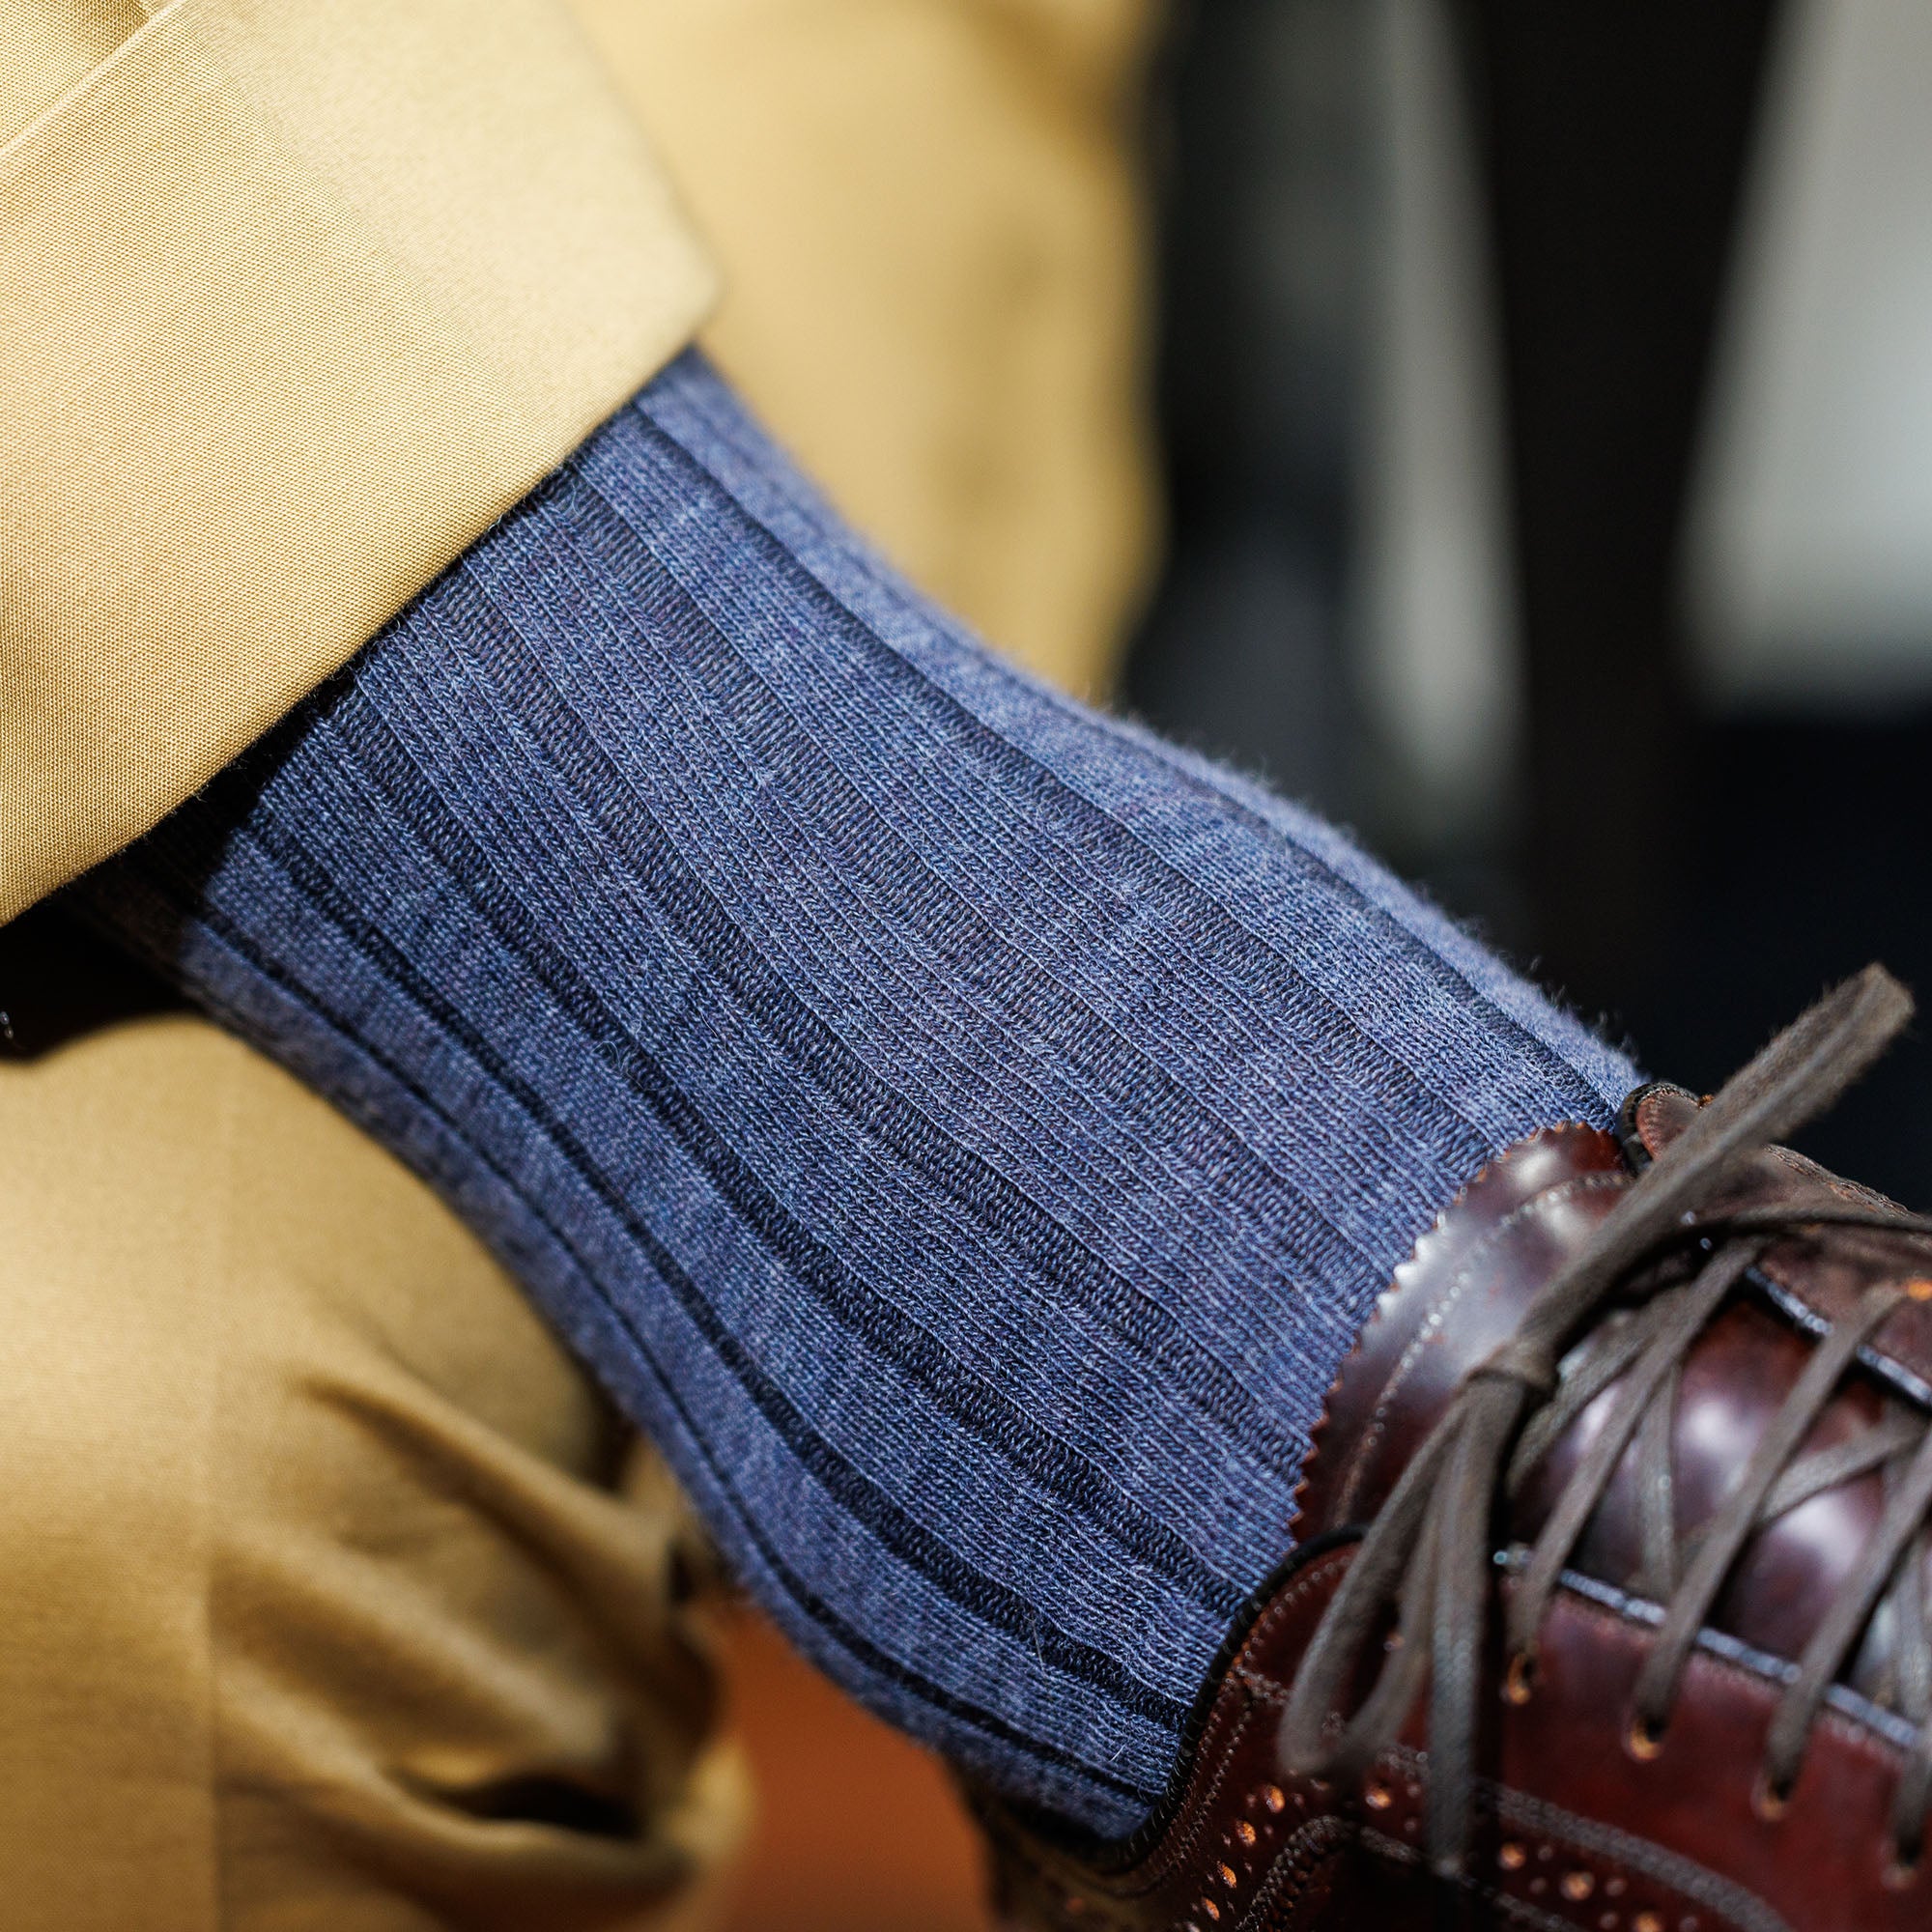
{"x":1546,"y":394}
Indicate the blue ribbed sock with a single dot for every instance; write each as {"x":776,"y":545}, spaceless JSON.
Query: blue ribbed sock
{"x":965,"y":1131}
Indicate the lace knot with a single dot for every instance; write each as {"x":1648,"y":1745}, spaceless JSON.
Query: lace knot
{"x":1528,"y":1363}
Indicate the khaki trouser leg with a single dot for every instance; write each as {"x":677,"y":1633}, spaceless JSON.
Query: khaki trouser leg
{"x":328,"y":1605}
{"x":325,"y":1604}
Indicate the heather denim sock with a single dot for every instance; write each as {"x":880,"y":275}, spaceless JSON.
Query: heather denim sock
{"x":965,"y":1131}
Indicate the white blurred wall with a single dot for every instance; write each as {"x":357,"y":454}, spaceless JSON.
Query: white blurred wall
{"x":1809,"y":568}
{"x":1435,"y":642}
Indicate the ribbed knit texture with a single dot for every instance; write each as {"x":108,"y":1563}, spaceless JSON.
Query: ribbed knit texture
{"x":965,"y":1131}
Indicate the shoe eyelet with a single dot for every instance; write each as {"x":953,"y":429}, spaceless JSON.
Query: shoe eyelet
{"x":1770,"y":1801}
{"x":1643,"y":1739}
{"x":1903,"y":1869}
{"x":1519,"y":1679}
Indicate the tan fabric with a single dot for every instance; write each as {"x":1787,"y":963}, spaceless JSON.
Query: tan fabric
{"x":930,"y":221}
{"x":321,"y":1593}
{"x":295,"y":301}
{"x":311,"y":1529}
{"x":48,"y":47}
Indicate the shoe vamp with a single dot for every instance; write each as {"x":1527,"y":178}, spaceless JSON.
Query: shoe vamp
{"x":1646,"y":1529}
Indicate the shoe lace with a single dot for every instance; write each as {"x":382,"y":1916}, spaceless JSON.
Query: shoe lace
{"x":1426,"y":1561}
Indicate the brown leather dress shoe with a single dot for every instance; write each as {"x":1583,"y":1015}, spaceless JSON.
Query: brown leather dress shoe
{"x":1611,"y":1600}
